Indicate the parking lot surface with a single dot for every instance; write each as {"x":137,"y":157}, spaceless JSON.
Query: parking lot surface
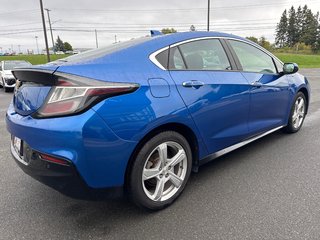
{"x":269,"y":189}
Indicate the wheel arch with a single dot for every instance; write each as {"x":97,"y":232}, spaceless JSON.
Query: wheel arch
{"x":182,"y":129}
{"x":306,"y":94}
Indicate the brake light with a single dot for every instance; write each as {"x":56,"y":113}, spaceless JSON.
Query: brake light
{"x":74,"y":94}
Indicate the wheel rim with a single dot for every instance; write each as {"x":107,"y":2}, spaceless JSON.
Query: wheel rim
{"x":164,"y":171}
{"x":298,"y":113}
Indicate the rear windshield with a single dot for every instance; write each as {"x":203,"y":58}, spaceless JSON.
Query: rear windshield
{"x":15,"y":64}
{"x":100,"y":52}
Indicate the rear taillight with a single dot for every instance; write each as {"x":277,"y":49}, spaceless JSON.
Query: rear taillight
{"x":73,"y":95}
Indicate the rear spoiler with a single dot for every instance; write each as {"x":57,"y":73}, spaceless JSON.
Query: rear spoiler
{"x":40,"y":76}
{"x":155,"y":33}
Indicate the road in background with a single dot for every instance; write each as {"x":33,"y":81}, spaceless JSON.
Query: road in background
{"x":269,"y":189}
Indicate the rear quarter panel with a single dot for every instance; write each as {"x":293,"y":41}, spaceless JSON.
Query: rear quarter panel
{"x":132,"y":116}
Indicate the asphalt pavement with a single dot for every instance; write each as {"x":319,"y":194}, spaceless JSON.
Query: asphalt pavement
{"x":269,"y":189}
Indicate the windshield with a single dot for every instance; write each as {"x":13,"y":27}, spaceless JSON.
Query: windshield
{"x":100,"y":52}
{"x":15,"y":64}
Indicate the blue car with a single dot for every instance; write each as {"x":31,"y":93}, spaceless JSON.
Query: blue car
{"x":139,"y":116}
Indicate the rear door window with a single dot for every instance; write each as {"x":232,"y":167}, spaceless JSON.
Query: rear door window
{"x":205,"y":54}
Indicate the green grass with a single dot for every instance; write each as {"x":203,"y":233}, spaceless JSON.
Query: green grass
{"x":304,"y":61}
{"x":34,"y":59}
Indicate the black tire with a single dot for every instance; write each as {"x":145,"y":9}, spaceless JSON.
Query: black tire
{"x":137,"y":187}
{"x":291,"y":126}
{"x":6,"y":89}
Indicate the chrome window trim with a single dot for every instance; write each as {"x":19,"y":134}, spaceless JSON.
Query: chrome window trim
{"x":153,"y":59}
{"x":153,"y":55}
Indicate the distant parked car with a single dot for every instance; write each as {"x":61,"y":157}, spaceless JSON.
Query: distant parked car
{"x":8,"y":81}
{"x":76,"y":51}
{"x":59,"y":52}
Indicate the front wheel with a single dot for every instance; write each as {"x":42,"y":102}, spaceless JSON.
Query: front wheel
{"x":160,"y":171}
{"x":297,"y":114}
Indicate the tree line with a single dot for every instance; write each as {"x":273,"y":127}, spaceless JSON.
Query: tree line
{"x":298,"y":26}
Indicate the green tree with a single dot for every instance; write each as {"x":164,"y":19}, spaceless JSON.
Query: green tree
{"x":299,"y":23}
{"x":318,"y":33}
{"x":67,"y":46}
{"x":310,"y":28}
{"x":282,"y":31}
{"x":300,"y":30}
{"x":264,"y":43}
{"x":168,"y":30}
{"x":253,"y":39}
{"x":59,"y":46}
{"x":293,"y":37}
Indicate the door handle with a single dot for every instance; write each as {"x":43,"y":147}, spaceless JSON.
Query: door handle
{"x":193,"y":83}
{"x":256,"y":84}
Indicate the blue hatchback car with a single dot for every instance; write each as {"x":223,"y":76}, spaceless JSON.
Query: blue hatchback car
{"x":141,"y":115}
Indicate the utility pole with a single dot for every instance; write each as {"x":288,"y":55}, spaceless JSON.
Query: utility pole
{"x":96,"y":34}
{"x":36,"y":37}
{"x":208,"y":18}
{"x":48,"y":10}
{"x":44,"y":31}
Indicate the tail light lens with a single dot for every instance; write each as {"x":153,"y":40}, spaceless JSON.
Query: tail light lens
{"x":73,"y":94}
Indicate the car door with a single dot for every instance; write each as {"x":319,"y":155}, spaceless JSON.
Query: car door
{"x":269,"y":93}
{"x":217,"y":96}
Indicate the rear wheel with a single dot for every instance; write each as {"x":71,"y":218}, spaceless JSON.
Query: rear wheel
{"x":297,"y":114}
{"x":160,"y":171}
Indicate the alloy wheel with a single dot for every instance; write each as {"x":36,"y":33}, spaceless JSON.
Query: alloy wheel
{"x":298,"y":113}
{"x":164,"y":171}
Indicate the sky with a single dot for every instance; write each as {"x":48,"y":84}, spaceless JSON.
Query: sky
{"x":75,"y":21}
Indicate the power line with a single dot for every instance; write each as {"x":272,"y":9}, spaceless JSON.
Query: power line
{"x":185,"y":9}
{"x":20,"y":11}
{"x":147,"y":28}
{"x":157,"y":24}
{"x":21,"y":24}
{"x":20,"y":32}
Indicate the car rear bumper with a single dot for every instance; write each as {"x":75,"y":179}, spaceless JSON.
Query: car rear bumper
{"x":63,"y":178}
{"x":96,"y":155}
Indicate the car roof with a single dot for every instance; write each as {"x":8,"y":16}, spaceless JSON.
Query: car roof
{"x":180,"y":36}
{"x":139,"y":47}
{"x":160,"y":41}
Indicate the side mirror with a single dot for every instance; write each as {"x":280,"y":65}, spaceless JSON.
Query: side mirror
{"x":290,"y":68}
